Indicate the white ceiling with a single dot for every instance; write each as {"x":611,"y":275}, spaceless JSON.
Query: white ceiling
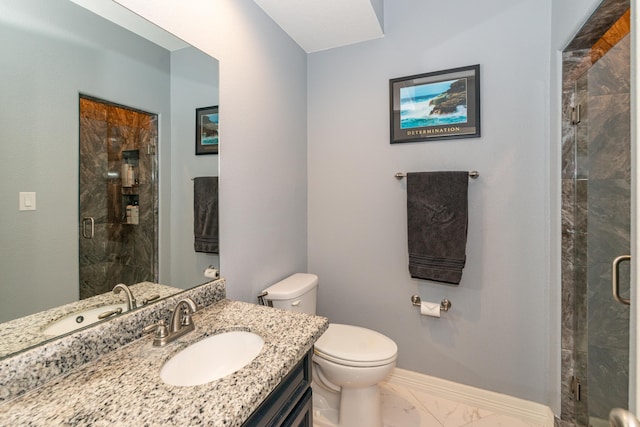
{"x":324,"y":24}
{"x":123,"y":17}
{"x":314,"y":24}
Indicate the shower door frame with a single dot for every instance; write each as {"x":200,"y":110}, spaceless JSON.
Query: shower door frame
{"x":634,"y":375}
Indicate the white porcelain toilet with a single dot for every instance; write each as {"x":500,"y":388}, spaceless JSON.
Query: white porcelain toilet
{"x":349,"y":361}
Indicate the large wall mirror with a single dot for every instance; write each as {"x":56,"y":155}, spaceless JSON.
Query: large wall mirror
{"x":54,"y":53}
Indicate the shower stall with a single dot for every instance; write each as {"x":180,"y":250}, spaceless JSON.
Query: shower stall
{"x":596,"y":210}
{"x":118,"y":196}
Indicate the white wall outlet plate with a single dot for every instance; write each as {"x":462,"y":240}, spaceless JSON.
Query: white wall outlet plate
{"x":27,"y":201}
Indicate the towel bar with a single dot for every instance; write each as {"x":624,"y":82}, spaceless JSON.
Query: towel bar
{"x":472,"y":175}
{"x":445,"y":304}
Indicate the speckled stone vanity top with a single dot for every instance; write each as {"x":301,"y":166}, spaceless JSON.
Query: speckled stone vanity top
{"x":33,"y":367}
{"x":123,"y":388}
{"x":18,"y":334}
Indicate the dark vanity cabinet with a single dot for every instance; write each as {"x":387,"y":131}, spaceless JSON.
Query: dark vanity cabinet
{"x":289,"y":405}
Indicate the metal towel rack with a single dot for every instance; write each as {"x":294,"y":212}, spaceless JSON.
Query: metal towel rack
{"x":472,"y":175}
{"x":445,"y":304}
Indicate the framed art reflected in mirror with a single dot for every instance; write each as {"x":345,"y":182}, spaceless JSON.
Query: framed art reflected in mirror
{"x":207,"y":140}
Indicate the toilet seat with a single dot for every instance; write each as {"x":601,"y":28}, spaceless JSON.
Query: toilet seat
{"x":355,"y":346}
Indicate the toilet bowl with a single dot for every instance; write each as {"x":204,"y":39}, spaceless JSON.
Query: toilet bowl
{"x":351,"y":361}
{"x":348,"y":361}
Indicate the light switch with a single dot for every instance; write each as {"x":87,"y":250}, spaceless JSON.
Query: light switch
{"x":27,"y":201}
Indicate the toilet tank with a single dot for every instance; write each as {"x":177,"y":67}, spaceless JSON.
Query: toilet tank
{"x":295,"y":293}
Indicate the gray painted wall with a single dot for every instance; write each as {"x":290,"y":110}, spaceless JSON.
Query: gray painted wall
{"x":41,"y":75}
{"x":194,"y":84}
{"x":496,"y":336}
{"x":263,"y":125}
{"x":263,"y":167}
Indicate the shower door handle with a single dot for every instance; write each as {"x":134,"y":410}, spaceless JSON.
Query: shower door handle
{"x":622,"y":418}
{"x":91,"y":222}
{"x":615,"y":279}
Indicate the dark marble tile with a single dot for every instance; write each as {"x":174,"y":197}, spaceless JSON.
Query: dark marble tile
{"x":610,"y":137}
{"x":580,"y":371}
{"x":609,"y":222}
{"x":580,"y":333}
{"x":608,"y":319}
{"x":574,"y":64}
{"x":582,"y":128}
{"x":568,"y":134}
{"x":608,"y":379}
{"x":568,"y":206}
{"x":581,"y":248}
{"x":93,"y":110}
{"x":611,"y":74}
{"x":581,"y":222}
{"x":568,"y":151}
{"x":600,"y":21}
{"x":557,"y":422}
{"x":567,"y":407}
{"x":582,"y":87}
{"x":568,"y":308}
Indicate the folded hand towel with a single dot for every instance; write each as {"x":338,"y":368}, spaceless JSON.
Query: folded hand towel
{"x":437,"y":225}
{"x":205,"y":214}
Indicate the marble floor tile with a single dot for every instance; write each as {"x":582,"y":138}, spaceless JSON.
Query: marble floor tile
{"x":405,"y":407}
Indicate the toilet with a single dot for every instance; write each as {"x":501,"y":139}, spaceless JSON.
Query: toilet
{"x":348,"y":361}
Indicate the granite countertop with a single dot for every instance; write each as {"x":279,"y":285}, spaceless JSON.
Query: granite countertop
{"x":24,"y":332}
{"x":124,"y":386}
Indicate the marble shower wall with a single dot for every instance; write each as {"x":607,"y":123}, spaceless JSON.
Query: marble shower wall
{"x":119,"y":252}
{"x":595,"y":220}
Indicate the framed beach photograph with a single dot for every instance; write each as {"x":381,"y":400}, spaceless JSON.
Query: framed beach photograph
{"x":207,"y":140}
{"x":439,"y":105}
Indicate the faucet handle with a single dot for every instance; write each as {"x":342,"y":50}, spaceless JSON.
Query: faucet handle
{"x":160,"y":328}
{"x":186,"y":319}
{"x":150,"y":299}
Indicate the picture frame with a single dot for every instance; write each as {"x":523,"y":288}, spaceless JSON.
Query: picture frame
{"x":207,"y":137}
{"x":433,"y":106}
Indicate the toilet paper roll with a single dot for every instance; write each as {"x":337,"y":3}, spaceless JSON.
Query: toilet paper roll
{"x":430,"y":309}
{"x":211,"y":273}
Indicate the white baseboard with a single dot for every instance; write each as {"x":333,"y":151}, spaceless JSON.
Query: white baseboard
{"x":496,"y":402}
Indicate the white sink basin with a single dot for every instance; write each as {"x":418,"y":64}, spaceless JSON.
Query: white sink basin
{"x":211,"y":358}
{"x":80,"y":319}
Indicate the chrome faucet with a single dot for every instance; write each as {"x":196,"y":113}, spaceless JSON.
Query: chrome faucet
{"x":181,"y":323}
{"x":131,"y":301}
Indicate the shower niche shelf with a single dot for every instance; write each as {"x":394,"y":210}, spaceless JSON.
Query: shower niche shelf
{"x":130,"y":186}
{"x":131,"y":209}
{"x":129,"y":171}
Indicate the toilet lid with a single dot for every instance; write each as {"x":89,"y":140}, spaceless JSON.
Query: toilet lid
{"x":353,"y":345}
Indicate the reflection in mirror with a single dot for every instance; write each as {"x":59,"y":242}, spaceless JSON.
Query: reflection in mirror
{"x":117,"y":196}
{"x":54,"y":51}
{"x":27,"y":331}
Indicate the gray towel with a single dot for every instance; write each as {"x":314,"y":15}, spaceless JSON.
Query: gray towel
{"x":205,"y":214}
{"x":437,"y":225}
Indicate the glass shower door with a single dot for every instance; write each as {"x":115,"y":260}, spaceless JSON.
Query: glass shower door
{"x":118,"y":215}
{"x":603,"y":182}
{"x":596,"y":217}
{"x":609,"y":229}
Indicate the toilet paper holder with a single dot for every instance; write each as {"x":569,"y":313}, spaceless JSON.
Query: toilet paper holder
{"x":445,"y":304}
